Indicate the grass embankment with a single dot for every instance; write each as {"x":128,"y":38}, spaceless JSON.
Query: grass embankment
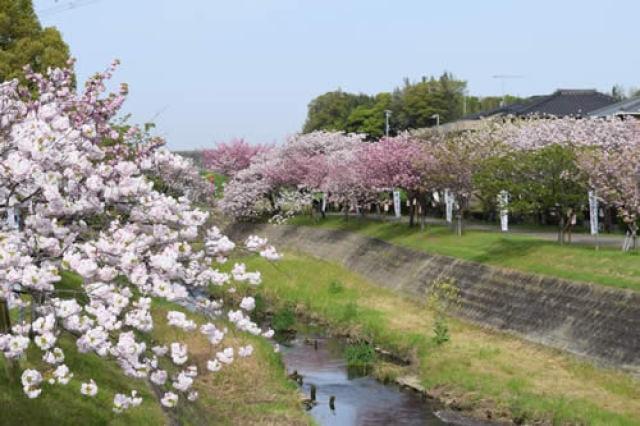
{"x":482,"y":370}
{"x":607,"y":266}
{"x":251,"y":391}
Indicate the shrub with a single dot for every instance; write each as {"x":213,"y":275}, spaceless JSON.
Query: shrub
{"x":360,"y":355}
{"x":283,"y":320}
{"x":335,"y":287}
{"x":442,"y":296}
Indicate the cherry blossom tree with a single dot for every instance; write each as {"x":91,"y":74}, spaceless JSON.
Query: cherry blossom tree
{"x":401,"y":162}
{"x":456,"y":159}
{"x":343,"y":183}
{"x":612,"y":164}
{"x":566,"y":149}
{"x":302,"y":164}
{"x":250,"y":193}
{"x":83,"y":192}
{"x":606,"y":150}
{"x":231,"y":157}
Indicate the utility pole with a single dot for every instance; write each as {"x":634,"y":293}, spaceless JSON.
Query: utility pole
{"x":437,"y":117}
{"x":503,"y":78}
{"x":464,"y":104}
{"x":387,"y":114}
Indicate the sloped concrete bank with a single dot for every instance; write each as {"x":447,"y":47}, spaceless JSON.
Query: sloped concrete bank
{"x":587,"y":320}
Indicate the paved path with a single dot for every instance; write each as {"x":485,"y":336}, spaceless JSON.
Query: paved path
{"x":604,"y":240}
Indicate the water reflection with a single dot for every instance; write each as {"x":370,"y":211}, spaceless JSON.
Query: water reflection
{"x":359,"y":400}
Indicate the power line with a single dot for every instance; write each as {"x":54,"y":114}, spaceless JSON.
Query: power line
{"x":65,"y":7}
{"x":503,"y":78}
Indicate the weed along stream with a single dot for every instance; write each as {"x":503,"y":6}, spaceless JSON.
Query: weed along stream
{"x":319,"y":363}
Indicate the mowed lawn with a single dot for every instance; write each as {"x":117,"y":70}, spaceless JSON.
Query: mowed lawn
{"x":482,"y":370}
{"x":607,"y":266}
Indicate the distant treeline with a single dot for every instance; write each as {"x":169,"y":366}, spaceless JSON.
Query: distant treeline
{"x":412,"y":106}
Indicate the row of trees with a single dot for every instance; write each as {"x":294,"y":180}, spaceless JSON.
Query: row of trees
{"x":546,"y":166}
{"x":110,"y":204}
{"x":412,"y":106}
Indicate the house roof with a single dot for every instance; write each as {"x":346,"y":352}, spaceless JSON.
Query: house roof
{"x":561,"y":103}
{"x":626,"y":107}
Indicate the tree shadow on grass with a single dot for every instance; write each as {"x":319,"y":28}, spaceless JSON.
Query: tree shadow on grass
{"x":506,"y":248}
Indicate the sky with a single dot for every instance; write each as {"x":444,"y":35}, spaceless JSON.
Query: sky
{"x":206,"y":71}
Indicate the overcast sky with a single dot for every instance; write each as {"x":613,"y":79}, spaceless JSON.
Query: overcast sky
{"x":210,"y":70}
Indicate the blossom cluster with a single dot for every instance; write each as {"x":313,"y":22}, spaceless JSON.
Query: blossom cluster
{"x":88,"y":201}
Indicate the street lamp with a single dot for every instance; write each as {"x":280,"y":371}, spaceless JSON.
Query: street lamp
{"x":387,"y":114}
{"x":437,"y":117}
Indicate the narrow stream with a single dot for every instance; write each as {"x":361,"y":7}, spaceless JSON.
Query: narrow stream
{"x":358,"y":400}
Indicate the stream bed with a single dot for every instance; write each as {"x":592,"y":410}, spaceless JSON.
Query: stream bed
{"x":358,"y":400}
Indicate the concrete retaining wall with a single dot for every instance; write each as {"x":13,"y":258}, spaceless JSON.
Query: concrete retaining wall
{"x":587,"y":320}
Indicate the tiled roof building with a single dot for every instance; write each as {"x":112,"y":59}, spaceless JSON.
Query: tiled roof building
{"x":628,"y":107}
{"x":561,"y":103}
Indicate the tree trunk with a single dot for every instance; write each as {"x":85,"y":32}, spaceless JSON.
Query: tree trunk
{"x":412,"y":211}
{"x":608,"y":219}
{"x":423,"y":207}
{"x":561,"y":228}
{"x":460,"y":215}
{"x":10,"y":366}
{"x":5,"y":319}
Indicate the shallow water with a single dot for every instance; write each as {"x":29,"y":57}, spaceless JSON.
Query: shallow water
{"x":359,"y":400}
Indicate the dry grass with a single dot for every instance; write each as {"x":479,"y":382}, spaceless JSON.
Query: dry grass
{"x":251,"y":391}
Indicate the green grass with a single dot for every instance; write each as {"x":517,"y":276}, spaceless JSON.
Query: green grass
{"x":63,"y":404}
{"x":252,"y":390}
{"x":481,"y":369}
{"x":607,"y":266}
{"x":360,"y":355}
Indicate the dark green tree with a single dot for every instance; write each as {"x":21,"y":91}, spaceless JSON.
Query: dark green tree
{"x":618,"y":92}
{"x":331,"y":110}
{"x":23,"y":41}
{"x":415,"y":104}
{"x":545,"y":181}
{"x":370,"y":120}
{"x":475,"y":104}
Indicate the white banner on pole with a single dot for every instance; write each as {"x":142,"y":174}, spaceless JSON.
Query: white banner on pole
{"x":396,"y":203}
{"x":503,"y":205}
{"x":324,"y":202}
{"x":593,"y":212}
{"x":448,"y":201}
{"x":13,"y":218}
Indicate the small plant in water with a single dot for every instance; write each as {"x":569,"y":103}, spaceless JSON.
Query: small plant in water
{"x":360,"y":356}
{"x":442,"y":296}
{"x":283,"y":320}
